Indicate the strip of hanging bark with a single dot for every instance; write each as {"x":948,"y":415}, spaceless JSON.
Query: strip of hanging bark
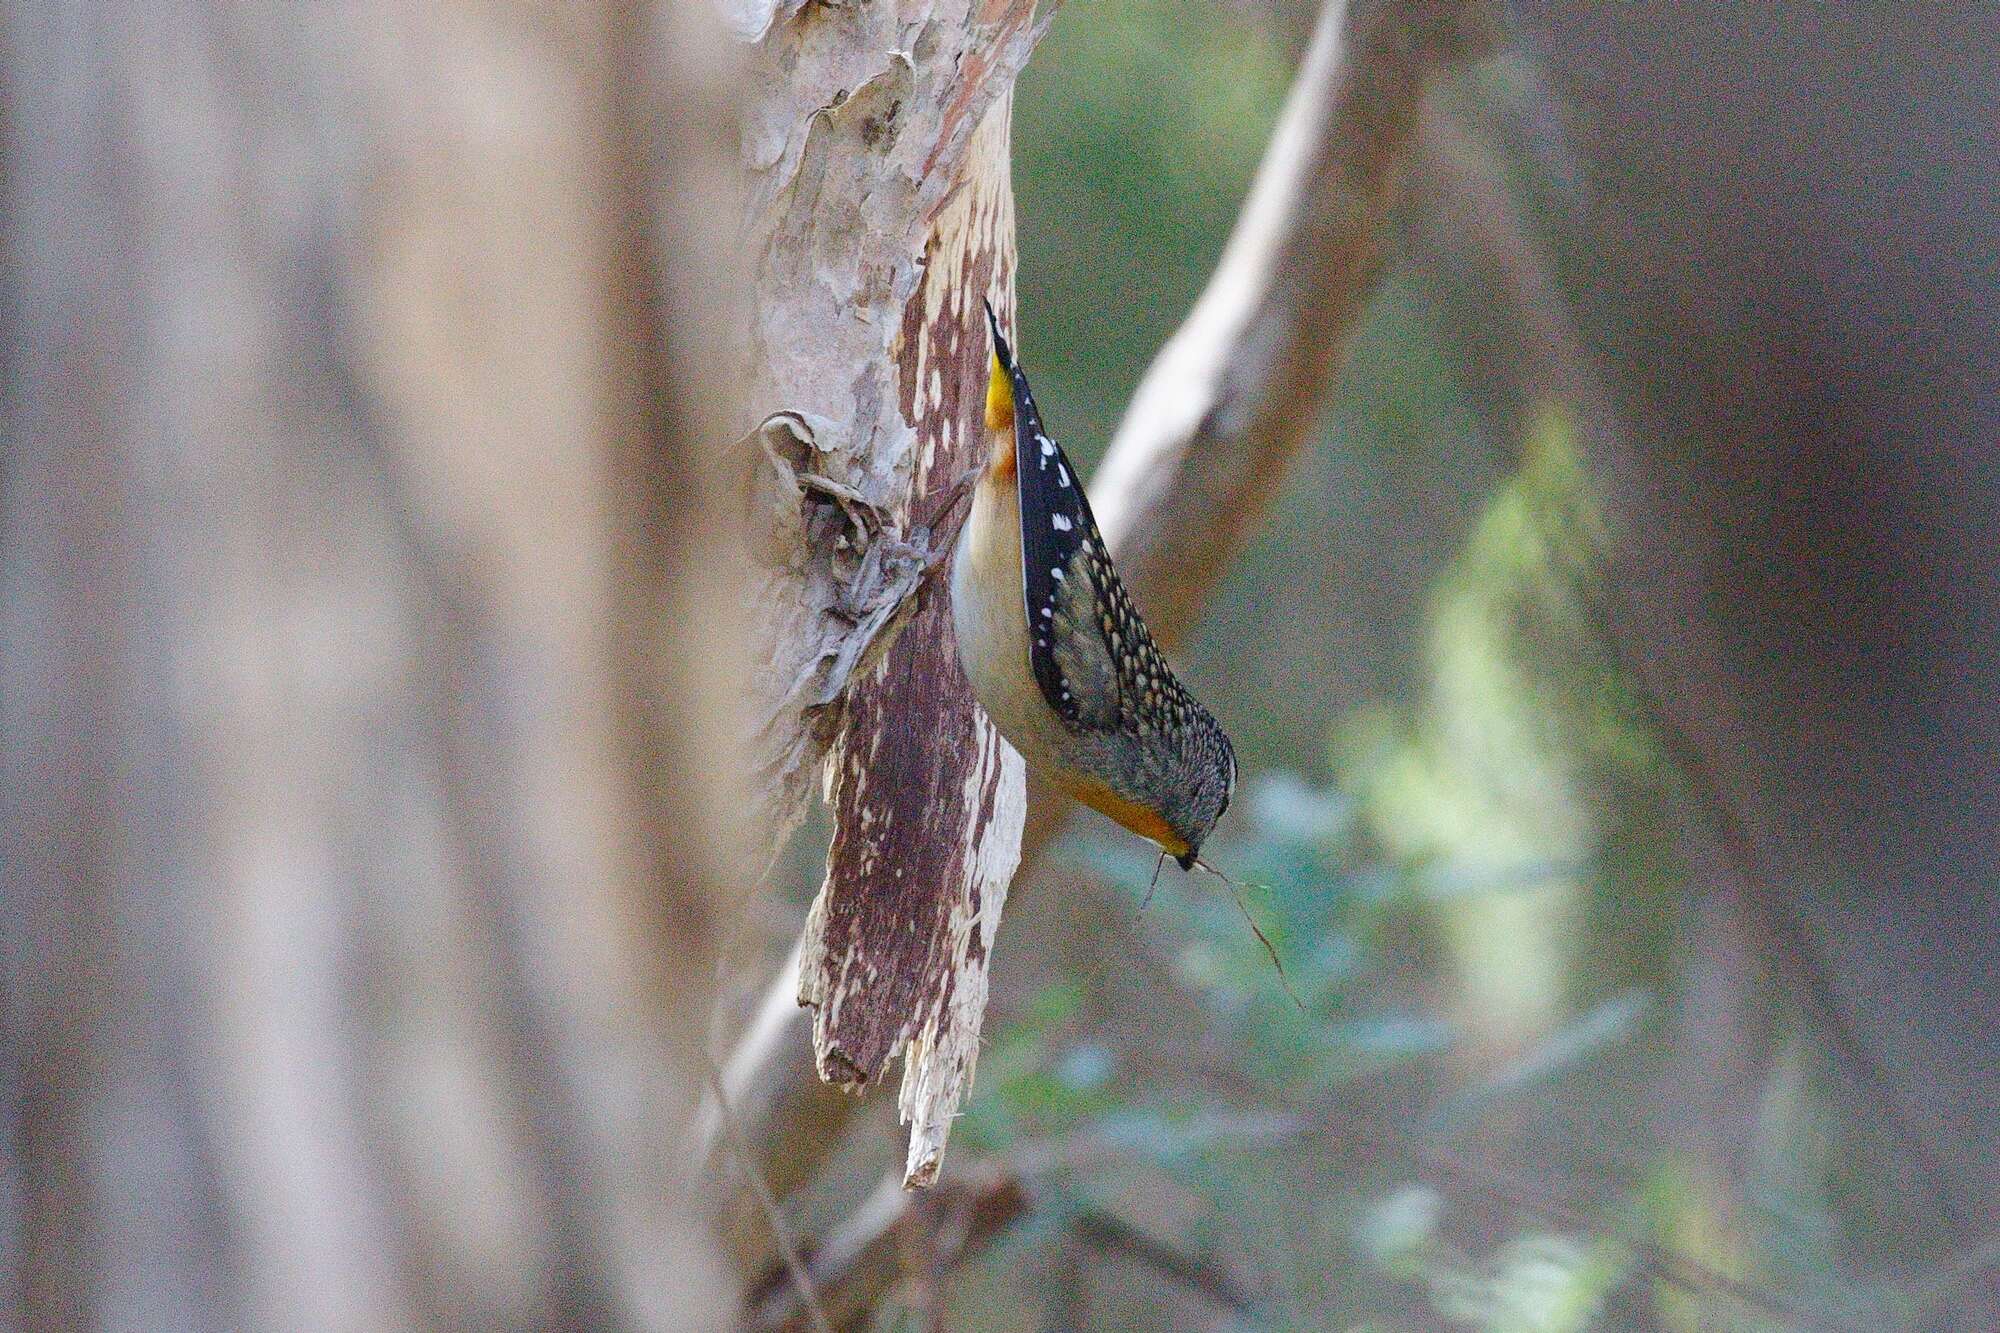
{"x":875,"y":230}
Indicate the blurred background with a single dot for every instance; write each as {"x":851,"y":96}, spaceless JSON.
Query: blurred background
{"x":1463,"y":821}
{"x":1613,"y":684}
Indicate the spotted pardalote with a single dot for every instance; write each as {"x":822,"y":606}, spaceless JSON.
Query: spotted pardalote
{"x":1055,"y":652}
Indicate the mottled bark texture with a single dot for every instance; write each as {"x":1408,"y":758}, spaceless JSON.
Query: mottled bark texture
{"x":358,"y":881}
{"x":881,"y":216}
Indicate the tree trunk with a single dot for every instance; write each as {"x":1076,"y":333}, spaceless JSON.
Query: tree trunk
{"x":881,"y":217}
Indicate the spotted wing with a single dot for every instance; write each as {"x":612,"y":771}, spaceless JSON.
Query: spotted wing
{"x":1066,"y":574}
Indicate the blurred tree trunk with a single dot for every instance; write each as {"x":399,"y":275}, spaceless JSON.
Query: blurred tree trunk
{"x":358,"y":885}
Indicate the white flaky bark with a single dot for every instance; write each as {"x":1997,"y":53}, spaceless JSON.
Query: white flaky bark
{"x":861,"y":131}
{"x":974,"y":839}
{"x":880,"y":219}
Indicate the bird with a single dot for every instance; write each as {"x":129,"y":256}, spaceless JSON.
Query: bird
{"x":1054,"y":650}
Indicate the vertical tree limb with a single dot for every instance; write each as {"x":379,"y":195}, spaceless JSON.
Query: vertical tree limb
{"x":928,"y":799}
{"x":882,"y":217}
{"x":860,"y":133}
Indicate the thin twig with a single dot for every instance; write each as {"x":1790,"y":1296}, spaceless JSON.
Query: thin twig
{"x":1785,"y":937}
{"x":875,"y":1247}
{"x":1158,"y":866}
{"x":1955,"y":1273}
{"x":781,"y":1232}
{"x":1112,"y":1234}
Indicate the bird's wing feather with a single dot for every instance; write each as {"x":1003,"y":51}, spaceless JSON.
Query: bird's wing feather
{"x":1064,"y":569}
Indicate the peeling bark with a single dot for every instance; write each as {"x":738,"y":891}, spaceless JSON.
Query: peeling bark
{"x":936,"y":805}
{"x":881,"y":216}
{"x":862,"y":138}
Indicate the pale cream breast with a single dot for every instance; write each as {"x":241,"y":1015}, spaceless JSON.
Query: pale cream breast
{"x":989,"y":616}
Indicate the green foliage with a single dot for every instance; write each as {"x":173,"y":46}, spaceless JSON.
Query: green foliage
{"x":1538,"y":1281}
{"x":1493,"y":784}
{"x":1524,"y":710}
{"x":1320,"y":909}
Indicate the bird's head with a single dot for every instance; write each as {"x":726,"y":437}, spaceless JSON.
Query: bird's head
{"x":1208,"y":788}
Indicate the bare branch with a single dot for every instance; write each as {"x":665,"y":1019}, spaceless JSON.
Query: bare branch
{"x":789,"y":1120}
{"x":1233,"y":396}
{"x":1109,"y":1233}
{"x":1237,"y":390}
